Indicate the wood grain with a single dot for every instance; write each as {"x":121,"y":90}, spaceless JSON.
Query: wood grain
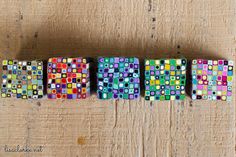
{"x":39,"y":29}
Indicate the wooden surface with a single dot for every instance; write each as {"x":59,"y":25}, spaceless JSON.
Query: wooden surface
{"x":39,"y":29}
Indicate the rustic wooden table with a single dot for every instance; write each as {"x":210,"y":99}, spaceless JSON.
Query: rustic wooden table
{"x":39,"y":29}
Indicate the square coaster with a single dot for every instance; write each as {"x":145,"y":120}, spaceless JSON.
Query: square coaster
{"x":118,"y":77}
{"x":165,"y":79}
{"x":68,"y":78}
{"x":212,"y":79}
{"x":22,"y":79}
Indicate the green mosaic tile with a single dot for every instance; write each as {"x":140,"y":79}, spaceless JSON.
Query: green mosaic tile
{"x":118,"y":77}
{"x":165,"y":79}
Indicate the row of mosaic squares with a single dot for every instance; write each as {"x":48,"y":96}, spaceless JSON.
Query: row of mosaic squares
{"x":118,"y":78}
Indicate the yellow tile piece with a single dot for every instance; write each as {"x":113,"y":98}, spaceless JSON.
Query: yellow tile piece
{"x":167,"y":67}
{"x":147,"y":67}
{"x":69,"y":91}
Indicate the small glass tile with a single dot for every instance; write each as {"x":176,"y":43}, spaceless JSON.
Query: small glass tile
{"x":68,"y":78}
{"x":212,"y":79}
{"x":118,"y":78}
{"x":22,"y":79}
{"x":165,"y":79}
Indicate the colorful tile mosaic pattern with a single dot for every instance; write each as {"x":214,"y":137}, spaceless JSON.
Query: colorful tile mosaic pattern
{"x":165,"y":79}
{"x":68,"y":78}
{"x":118,"y":77}
{"x":22,"y":79}
{"x":212,"y":79}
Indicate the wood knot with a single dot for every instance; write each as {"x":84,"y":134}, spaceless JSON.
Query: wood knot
{"x":39,"y":103}
{"x":81,"y":140}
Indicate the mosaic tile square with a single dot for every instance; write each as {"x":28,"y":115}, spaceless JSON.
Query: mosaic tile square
{"x":118,"y":78}
{"x":165,"y":79}
{"x":22,"y":79}
{"x":68,"y":78}
{"x":212,"y":79}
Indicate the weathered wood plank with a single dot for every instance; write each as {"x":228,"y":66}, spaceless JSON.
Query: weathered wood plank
{"x":143,"y":28}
